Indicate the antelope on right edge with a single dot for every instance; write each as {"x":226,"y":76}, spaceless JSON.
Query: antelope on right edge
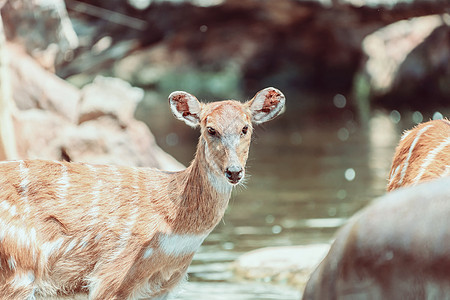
{"x":422,"y":154}
{"x":399,"y":246}
{"x":396,"y":248}
{"x":119,"y":233}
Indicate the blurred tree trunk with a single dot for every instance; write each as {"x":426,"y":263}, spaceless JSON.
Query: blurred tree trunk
{"x":8,"y":147}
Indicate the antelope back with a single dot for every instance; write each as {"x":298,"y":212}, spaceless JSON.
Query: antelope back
{"x":60,"y":221}
{"x":422,"y":154}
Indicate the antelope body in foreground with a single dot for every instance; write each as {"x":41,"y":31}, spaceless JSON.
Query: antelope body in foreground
{"x":422,"y":154}
{"x":119,"y":232}
{"x":396,"y":248}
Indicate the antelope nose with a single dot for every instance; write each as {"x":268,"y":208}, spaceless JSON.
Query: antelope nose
{"x":234,"y":174}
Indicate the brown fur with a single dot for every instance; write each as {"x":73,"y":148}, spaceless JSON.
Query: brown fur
{"x":396,"y":248}
{"x":117,"y":232}
{"x":416,"y":169}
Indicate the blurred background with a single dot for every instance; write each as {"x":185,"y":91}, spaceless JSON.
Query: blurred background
{"x":88,"y":81}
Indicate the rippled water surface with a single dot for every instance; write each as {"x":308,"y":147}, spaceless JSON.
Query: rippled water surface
{"x":309,"y":171}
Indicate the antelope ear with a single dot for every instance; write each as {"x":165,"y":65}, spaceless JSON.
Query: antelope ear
{"x":266,"y":105}
{"x":185,"y":107}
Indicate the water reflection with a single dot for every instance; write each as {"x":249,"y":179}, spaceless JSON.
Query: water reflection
{"x":384,"y":134}
{"x":309,"y":172}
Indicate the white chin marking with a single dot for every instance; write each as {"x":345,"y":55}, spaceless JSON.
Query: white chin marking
{"x":220,"y":184}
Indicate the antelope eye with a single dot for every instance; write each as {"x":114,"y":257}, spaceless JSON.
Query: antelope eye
{"x":244,"y":130}
{"x":211,"y":131}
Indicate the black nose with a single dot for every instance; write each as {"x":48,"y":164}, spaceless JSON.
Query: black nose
{"x":234,"y":174}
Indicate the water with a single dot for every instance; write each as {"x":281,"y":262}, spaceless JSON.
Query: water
{"x":309,"y":172}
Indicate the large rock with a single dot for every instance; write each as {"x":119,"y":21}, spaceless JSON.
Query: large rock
{"x":291,"y":264}
{"x":105,"y":141}
{"x":8,"y":145}
{"x":409,"y":60}
{"x":55,"y":120}
{"x":35,"y":88}
{"x":111,"y":97}
{"x":38,"y":132}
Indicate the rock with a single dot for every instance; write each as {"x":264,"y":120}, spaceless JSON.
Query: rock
{"x":104,"y":141}
{"x":149,"y":152}
{"x":8,"y":144}
{"x":51,"y":121}
{"x":34,"y":87}
{"x":291,"y":264}
{"x":109,"y":96}
{"x":38,"y":132}
{"x":409,"y":58}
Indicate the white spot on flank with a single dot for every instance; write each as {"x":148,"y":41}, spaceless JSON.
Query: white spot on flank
{"x":84,"y":242}
{"x":411,"y":149}
{"x":24,"y":171}
{"x":63,"y":183}
{"x":24,"y":186}
{"x":148,"y":252}
{"x":180,"y":244}
{"x":23,"y":280}
{"x":12,"y":210}
{"x":33,"y":234}
{"x":94,"y":211}
{"x":126,"y":234}
{"x":48,"y":248}
{"x":33,"y":239}
{"x":430,"y":158}
{"x":132,"y":217}
{"x":18,"y":234}
{"x":5,"y":205}
{"x":12,"y":263}
{"x":2,"y":230}
{"x":93,"y":286}
{"x":70,"y":246}
{"x":22,"y":237}
{"x":98,"y":237}
{"x":118,"y":178}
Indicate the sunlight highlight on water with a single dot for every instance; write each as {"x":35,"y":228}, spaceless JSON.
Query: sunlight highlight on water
{"x":437,"y":116}
{"x":350,"y":174}
{"x":417,"y":117}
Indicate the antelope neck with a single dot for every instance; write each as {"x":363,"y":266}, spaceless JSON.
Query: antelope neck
{"x":206,"y":178}
{"x":205,"y":195}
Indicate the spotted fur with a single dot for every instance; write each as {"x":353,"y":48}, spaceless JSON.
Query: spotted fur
{"x":120,"y":232}
{"x":422,"y":154}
